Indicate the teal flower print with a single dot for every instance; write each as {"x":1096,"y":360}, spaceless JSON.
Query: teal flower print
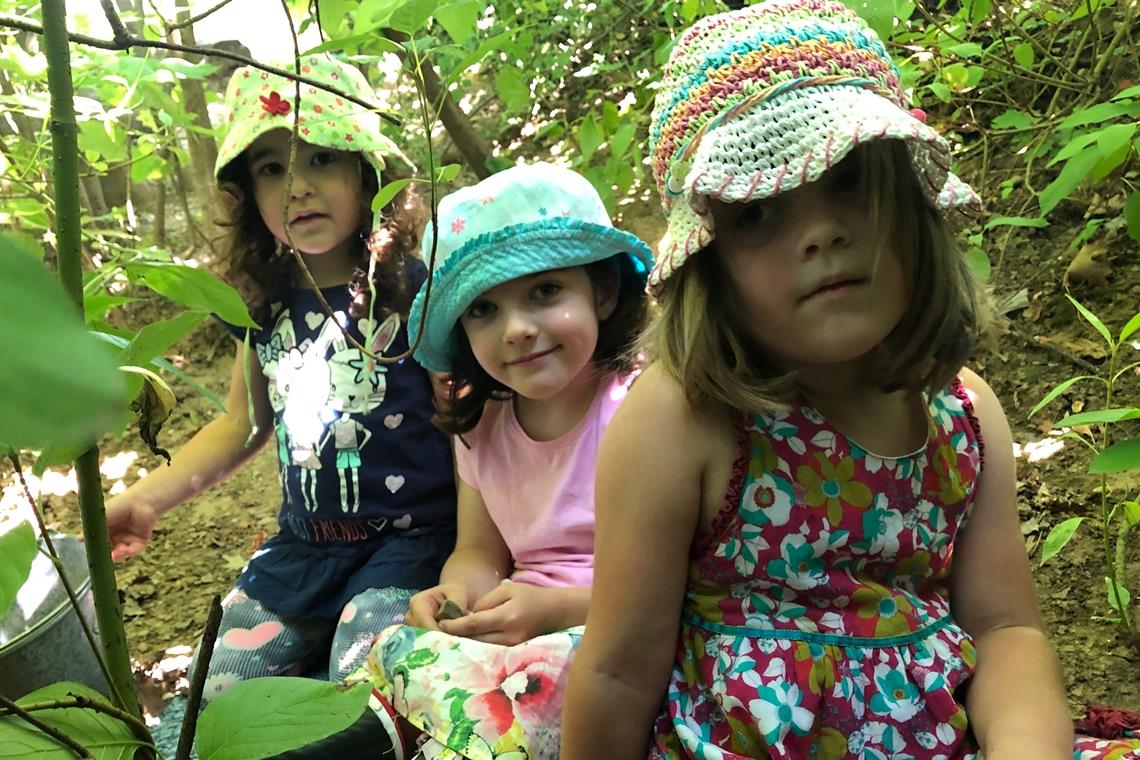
{"x":798,"y":564}
{"x":896,"y":696}
{"x":881,"y":528}
{"x":778,"y":711}
{"x":745,"y":550}
{"x":768,"y":499}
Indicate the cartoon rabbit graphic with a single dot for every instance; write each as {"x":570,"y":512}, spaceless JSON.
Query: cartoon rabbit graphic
{"x":357,"y":385}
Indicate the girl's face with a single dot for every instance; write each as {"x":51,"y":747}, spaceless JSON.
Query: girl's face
{"x":326,"y":203}
{"x":813,"y":280}
{"x":537,"y":334}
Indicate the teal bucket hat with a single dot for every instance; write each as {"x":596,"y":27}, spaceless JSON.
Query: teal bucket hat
{"x":521,"y":221}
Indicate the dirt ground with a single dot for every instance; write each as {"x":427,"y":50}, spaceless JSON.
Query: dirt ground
{"x":198,"y":549}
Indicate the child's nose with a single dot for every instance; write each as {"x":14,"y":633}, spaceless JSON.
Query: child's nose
{"x":519,"y":327}
{"x":301,"y":187}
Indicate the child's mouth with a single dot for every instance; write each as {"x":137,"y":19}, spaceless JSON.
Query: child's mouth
{"x":836,"y":287}
{"x":307,"y":216}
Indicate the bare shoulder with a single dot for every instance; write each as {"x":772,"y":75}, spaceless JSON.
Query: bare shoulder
{"x":987,"y":407}
{"x":657,"y":407}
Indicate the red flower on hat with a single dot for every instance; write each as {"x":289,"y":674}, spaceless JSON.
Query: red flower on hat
{"x":317,"y":108}
{"x":275,"y":104}
{"x":458,"y":225}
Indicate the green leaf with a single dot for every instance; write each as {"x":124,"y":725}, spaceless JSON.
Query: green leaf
{"x":1130,"y":92}
{"x":1092,"y":319}
{"x":1059,"y":536}
{"x":1016,"y":221}
{"x":978,"y":262}
{"x":1131,"y":215}
{"x":1131,"y":512}
{"x":979,"y":9}
{"x":965,"y":50}
{"x":459,"y":19}
{"x":412,"y":16}
{"x":353,"y":43}
{"x":264,"y":717}
{"x":513,"y":91}
{"x":106,"y":738}
{"x":622,"y":138}
{"x":1071,"y":175}
{"x":59,"y":383}
{"x":1098,"y":417}
{"x":1119,"y":457}
{"x":1095,"y":114}
{"x":1061,"y":388}
{"x":1012,"y":119}
{"x":154,"y":339}
{"x":1122,"y":592}
{"x":388,"y":192}
{"x":1132,"y":326}
{"x":17,"y":550}
{"x":1023,"y":54}
{"x":448,"y":173}
{"x":590,"y":136}
{"x":194,"y":288}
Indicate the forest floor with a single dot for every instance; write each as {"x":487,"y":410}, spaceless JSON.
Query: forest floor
{"x":198,"y":549}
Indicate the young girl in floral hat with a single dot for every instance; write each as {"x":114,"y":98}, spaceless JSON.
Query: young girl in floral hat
{"x":807,"y":532}
{"x":535,"y":301}
{"x":367,"y":512}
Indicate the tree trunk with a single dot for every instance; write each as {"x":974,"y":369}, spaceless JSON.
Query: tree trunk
{"x":203,"y":149}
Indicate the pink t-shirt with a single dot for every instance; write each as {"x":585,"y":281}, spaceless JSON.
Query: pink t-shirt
{"x":540,"y":494}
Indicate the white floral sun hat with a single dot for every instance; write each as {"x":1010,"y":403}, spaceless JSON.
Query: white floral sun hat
{"x":761,"y":100}
{"x":258,"y":101}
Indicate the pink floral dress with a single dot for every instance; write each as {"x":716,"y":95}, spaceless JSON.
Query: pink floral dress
{"x":816,"y":620}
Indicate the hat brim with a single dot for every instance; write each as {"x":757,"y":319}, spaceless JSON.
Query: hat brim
{"x":506,"y":254}
{"x":791,"y":141}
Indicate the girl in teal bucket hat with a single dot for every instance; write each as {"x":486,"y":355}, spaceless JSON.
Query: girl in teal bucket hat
{"x":367,"y":505}
{"x":535,"y":301}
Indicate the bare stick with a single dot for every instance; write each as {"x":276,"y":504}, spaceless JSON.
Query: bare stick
{"x":52,"y":731}
{"x":205,"y":654}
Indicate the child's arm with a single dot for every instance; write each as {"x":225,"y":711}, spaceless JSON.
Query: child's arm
{"x":478,"y":564}
{"x":1016,"y":702}
{"x":650,"y":471}
{"x":211,"y":455}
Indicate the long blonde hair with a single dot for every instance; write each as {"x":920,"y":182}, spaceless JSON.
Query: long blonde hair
{"x":698,"y":340}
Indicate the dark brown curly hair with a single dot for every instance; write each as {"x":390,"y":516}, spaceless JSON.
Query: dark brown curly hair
{"x":261,"y":274}
{"x":471,"y":387}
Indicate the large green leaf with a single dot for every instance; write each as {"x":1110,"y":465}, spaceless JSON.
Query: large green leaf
{"x":459,"y":19}
{"x":1059,"y":536}
{"x":1073,"y":174}
{"x":264,"y":717}
{"x":1120,"y":456}
{"x":193,"y":288}
{"x":106,"y":738}
{"x":17,"y":550}
{"x":154,"y":339}
{"x":513,"y":91}
{"x":59,"y":383}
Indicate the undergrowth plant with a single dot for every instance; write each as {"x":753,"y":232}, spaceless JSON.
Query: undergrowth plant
{"x":1112,"y":454}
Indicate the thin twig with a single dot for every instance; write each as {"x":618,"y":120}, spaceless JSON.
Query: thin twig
{"x":199,"y":17}
{"x":71,"y":595}
{"x":118,"y":31}
{"x":47,"y":728}
{"x":138,"y":728}
{"x":83,"y":39}
{"x":194,"y":701}
{"x":1089,"y":367}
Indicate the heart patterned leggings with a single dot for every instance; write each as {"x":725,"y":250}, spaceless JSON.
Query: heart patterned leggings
{"x":254,"y":642}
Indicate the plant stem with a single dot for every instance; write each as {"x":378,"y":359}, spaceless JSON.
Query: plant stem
{"x":138,"y":728}
{"x":65,"y":179}
{"x":1105,"y":513}
{"x":193,"y":705}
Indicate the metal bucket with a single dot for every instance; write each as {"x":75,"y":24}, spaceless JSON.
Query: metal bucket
{"x":41,"y":640}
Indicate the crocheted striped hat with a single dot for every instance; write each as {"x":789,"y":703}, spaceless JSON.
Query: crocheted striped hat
{"x":764,"y":99}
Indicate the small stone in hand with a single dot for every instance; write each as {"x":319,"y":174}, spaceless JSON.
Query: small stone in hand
{"x":449,"y":610}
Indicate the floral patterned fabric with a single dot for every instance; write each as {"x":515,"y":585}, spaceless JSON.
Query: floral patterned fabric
{"x":816,"y":620}
{"x":476,"y":700}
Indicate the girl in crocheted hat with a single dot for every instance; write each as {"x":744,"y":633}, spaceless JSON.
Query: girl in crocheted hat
{"x":367,"y":501}
{"x":535,"y":301}
{"x":813,"y":551}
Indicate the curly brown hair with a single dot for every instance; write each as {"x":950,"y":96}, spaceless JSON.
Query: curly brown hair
{"x":471,"y":387}
{"x":261,"y":269}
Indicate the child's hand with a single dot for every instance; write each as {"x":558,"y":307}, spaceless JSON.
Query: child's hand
{"x":423,"y":608}
{"x":509,"y":614}
{"x":129,"y":525}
